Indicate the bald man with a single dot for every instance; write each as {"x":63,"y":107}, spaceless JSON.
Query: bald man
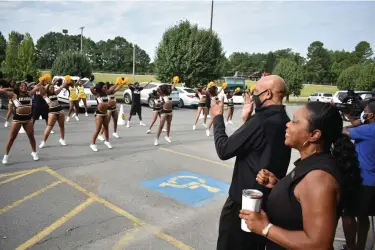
{"x":257,"y":144}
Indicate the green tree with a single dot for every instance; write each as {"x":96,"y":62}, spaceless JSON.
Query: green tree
{"x":348,"y":77}
{"x":27,"y":58}
{"x":3,"y":44}
{"x":48,"y":47}
{"x":292,"y":74}
{"x":193,"y":54}
{"x":318,"y":63}
{"x":72,"y":63}
{"x":363,"y":52}
{"x":10,"y":65}
{"x":366,"y":78}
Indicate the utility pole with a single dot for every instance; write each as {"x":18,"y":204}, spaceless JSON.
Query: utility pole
{"x":81,"y":36}
{"x":212,"y":14}
{"x":133,"y":63}
{"x":65,"y":33}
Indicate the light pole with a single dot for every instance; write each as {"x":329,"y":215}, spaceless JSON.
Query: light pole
{"x":212,"y":14}
{"x":81,"y":36}
{"x":133,"y":63}
{"x":65,"y":32}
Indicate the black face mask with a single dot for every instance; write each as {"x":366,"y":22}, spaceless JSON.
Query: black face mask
{"x":258,"y":103}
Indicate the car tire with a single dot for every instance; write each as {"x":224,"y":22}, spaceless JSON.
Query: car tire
{"x":308,"y":100}
{"x":180,"y":104}
{"x":317,"y":100}
{"x":127,"y":99}
{"x":151,"y":103}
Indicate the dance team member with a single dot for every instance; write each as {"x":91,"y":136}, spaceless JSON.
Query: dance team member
{"x":136,"y":107}
{"x":39,"y":106}
{"x":55,"y":112}
{"x":22,"y":114}
{"x":156,"y":111}
{"x":10,"y":104}
{"x":82,"y":95}
{"x":167,"y":109}
{"x":212,"y":94}
{"x":73,"y":98}
{"x":101,"y":92}
{"x":112,"y":109}
{"x":202,"y":107}
{"x":229,"y":95}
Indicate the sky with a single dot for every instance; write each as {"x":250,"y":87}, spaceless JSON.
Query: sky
{"x":243,"y":26}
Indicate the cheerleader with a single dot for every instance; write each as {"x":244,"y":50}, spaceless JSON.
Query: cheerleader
{"x":202,"y":107}
{"x":212,"y":95}
{"x":82,"y":95}
{"x":40,"y":107}
{"x":22,"y":116}
{"x":156,"y":111}
{"x":73,"y":98}
{"x":112,"y":108}
{"x":166,"y":112}
{"x":55,"y":112}
{"x":10,"y":104}
{"x":101,"y":92}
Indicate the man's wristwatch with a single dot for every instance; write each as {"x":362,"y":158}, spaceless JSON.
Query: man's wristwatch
{"x":266,"y":230}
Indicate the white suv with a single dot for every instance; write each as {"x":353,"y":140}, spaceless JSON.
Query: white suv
{"x":63,"y":96}
{"x":145,"y":94}
{"x":320,"y":97}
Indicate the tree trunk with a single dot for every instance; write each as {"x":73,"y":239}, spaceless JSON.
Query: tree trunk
{"x":287,"y":98}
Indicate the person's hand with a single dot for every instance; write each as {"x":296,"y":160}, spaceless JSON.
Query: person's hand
{"x":217,"y":108}
{"x":248,"y":107}
{"x":255,"y":222}
{"x":266,"y":178}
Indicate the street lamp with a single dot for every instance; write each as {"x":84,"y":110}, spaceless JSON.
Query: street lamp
{"x":65,"y":33}
{"x":133,"y":62}
{"x":81,"y":36}
{"x":212,"y":13}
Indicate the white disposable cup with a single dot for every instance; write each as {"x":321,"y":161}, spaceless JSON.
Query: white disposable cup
{"x":252,"y":201}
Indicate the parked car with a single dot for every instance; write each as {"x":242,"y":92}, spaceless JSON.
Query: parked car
{"x":187,"y":97}
{"x":63,"y":96}
{"x":320,"y":97}
{"x":339,"y":96}
{"x":145,"y":94}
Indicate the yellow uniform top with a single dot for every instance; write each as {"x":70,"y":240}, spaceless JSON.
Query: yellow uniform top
{"x":73,"y":94}
{"x":81,"y":92}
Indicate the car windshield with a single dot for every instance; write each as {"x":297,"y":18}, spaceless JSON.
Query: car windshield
{"x":189,"y":90}
{"x":88,"y":84}
{"x":327,"y":95}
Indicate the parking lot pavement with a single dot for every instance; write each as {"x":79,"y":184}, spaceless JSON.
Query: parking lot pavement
{"x":134,"y":196}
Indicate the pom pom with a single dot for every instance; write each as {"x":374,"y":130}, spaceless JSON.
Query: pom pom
{"x":224,"y":85}
{"x":237,"y":90}
{"x":47,"y":77}
{"x":210,"y":84}
{"x":252,"y":88}
{"x":126,"y":81}
{"x":176,"y":79}
{"x":41,"y":79}
{"x":67,"y":79}
{"x":118,"y":81}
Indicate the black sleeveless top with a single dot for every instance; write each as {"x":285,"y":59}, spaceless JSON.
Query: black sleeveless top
{"x":283,"y":208}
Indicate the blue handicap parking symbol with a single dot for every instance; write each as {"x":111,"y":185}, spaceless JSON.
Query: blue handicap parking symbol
{"x":188,"y":188}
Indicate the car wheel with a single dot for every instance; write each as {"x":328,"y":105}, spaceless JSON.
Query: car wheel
{"x":151,"y":103}
{"x":181,"y":103}
{"x":308,"y":100}
{"x":317,"y":100}
{"x":127,"y":99}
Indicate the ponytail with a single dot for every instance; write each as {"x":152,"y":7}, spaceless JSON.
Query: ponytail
{"x":344,"y":152}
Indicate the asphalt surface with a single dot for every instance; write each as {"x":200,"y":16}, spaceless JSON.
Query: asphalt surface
{"x":74,"y":198}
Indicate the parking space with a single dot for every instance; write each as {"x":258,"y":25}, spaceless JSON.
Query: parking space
{"x":134,"y":196}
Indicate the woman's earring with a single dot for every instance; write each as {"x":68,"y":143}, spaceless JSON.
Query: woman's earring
{"x":304,"y":143}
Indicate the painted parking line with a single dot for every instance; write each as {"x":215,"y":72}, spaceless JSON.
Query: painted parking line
{"x":129,"y":236}
{"x":29,"y":243}
{"x":13,"y":173}
{"x":23,"y":174}
{"x":196,"y":157}
{"x":138,"y":223}
{"x":28,"y":197}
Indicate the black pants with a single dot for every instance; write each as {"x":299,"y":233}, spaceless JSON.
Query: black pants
{"x":231,"y":236}
{"x":40,"y":111}
{"x":136,"y":109}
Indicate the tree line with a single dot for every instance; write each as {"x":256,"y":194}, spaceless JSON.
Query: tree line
{"x":195,"y":54}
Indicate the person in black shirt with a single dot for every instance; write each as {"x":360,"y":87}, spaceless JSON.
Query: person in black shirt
{"x":304,"y":207}
{"x":136,"y":107}
{"x":257,"y":144}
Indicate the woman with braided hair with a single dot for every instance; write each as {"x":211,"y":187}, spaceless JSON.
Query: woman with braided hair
{"x":166,"y":111}
{"x":212,"y":92}
{"x":55,"y":112}
{"x":158,"y":103}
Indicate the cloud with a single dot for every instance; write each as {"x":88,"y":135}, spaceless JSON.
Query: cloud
{"x":242,"y":25}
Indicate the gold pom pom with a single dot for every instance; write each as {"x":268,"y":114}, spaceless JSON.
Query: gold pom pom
{"x":126,"y":81}
{"x":47,"y":77}
{"x":67,"y":79}
{"x":252,"y":88}
{"x":237,"y":90}
{"x":210,"y":84}
{"x":176,"y":79}
{"x":118,"y":81}
{"x":224,"y":85}
{"x":41,"y":79}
